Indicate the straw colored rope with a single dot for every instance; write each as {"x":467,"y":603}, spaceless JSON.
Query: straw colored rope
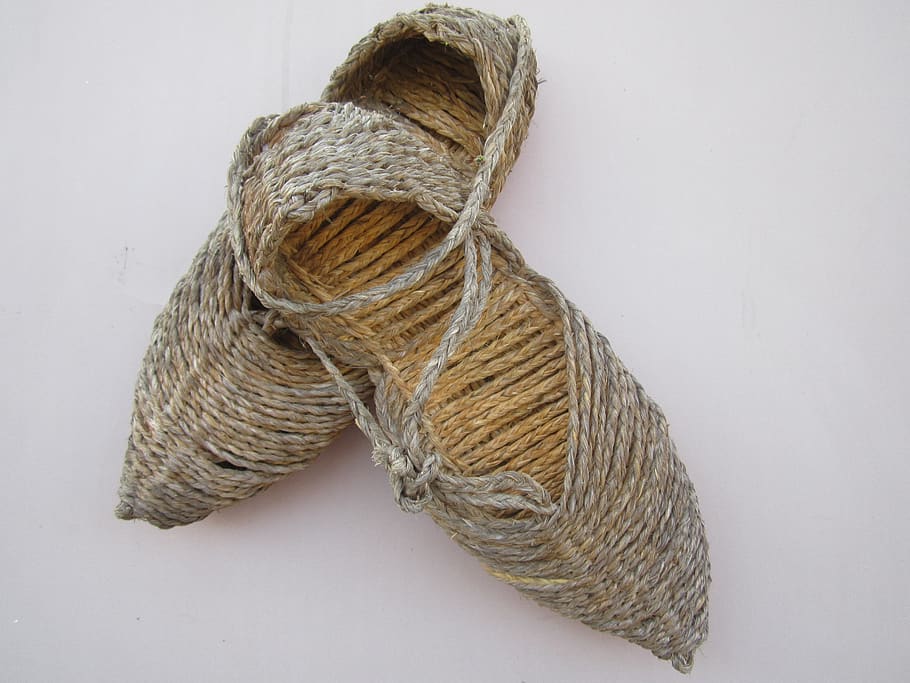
{"x":227,"y":400}
{"x":499,"y":409}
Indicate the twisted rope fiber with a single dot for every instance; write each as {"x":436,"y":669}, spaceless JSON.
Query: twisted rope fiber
{"x":503,"y":412}
{"x":222,"y":407}
{"x":227,"y":400}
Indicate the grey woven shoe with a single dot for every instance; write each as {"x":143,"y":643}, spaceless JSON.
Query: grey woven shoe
{"x":227,"y":400}
{"x":499,"y":408}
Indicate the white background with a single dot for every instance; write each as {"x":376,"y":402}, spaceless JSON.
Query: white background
{"x":724,"y":187}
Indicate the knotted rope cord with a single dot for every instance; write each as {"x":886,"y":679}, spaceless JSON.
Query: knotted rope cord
{"x":411,"y":467}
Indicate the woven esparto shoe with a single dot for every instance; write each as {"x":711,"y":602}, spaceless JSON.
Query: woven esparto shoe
{"x":499,"y":408}
{"x":227,"y":400}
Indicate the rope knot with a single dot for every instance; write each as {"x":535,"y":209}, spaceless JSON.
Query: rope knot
{"x":271,"y":321}
{"x":409,"y":476}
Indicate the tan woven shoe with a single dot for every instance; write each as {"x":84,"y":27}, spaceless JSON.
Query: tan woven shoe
{"x":228,"y":401}
{"x":500,"y":410}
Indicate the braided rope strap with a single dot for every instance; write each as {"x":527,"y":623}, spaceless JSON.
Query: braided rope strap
{"x":499,"y":408}
{"x":227,"y":400}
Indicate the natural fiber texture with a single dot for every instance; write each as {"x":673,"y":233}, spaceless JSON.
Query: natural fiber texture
{"x":227,"y":399}
{"x":226,"y":403}
{"x":499,"y":409}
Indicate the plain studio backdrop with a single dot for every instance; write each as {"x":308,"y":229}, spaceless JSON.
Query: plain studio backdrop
{"x":723,"y":187}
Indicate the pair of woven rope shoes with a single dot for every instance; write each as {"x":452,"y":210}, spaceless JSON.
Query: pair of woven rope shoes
{"x":357,"y":260}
